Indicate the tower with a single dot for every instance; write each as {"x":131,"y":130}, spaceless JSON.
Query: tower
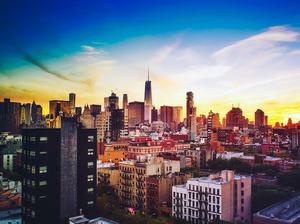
{"x":189,"y":108}
{"x":72,"y":98}
{"x":148,"y":100}
{"x":125,"y":101}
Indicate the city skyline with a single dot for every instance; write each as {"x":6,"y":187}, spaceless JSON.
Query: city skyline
{"x":253,"y":63}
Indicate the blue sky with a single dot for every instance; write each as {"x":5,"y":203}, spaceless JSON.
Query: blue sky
{"x":97,"y":46}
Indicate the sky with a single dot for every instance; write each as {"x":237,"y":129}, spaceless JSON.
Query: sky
{"x":244,"y":53}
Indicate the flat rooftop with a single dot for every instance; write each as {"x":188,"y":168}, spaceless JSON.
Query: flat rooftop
{"x":286,"y":212}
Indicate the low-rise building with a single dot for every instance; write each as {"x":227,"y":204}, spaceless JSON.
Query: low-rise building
{"x":108,"y":175}
{"x":223,"y":196}
{"x":159,"y":190}
{"x":133,"y":174}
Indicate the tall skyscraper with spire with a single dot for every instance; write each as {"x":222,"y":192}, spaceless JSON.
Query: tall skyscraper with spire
{"x":148,"y":100}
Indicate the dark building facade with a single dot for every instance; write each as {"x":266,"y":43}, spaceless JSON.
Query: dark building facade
{"x":189,"y":109}
{"x":95,"y":109}
{"x":59,"y":173}
{"x":154,"y":114}
{"x":113,"y":102}
{"x":117,"y":123}
{"x":10,"y":116}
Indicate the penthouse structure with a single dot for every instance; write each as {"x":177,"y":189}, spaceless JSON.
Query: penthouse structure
{"x":223,"y":196}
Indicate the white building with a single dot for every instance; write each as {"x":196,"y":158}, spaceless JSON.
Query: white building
{"x":222,"y":196}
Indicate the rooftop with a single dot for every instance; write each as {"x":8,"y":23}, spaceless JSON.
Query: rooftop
{"x":286,"y":212}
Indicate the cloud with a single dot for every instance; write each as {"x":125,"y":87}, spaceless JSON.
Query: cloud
{"x":34,"y":61}
{"x":260,"y":48}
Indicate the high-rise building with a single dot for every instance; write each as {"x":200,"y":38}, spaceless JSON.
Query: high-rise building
{"x":166,"y":115}
{"x":117,"y":123}
{"x":154,"y":114}
{"x":59,"y":173}
{"x":177,"y":116}
{"x":57,"y":107}
{"x":103,"y":125}
{"x":95,"y":109}
{"x":106,"y":103}
{"x":189,"y":108}
{"x":135,"y":113}
{"x":78,"y":111}
{"x":10,"y":116}
{"x":266,"y":120}
{"x":87,"y":119}
{"x":72,"y":100}
{"x":193,"y":129}
{"x":213,"y":122}
{"x":39,"y":113}
{"x":259,"y":118}
{"x":235,"y":118}
{"x":223,"y":196}
{"x":113,"y":102}
{"x":26,"y":114}
{"x":33,"y":112}
{"x":125,"y":101}
{"x":148,"y":100}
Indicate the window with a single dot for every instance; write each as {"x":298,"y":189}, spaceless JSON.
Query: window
{"x":91,"y":138}
{"x":90,"y":202}
{"x":43,"y":169}
{"x":33,"y":169}
{"x":43,"y":139}
{"x":90,"y":178}
{"x":90,"y":152}
{"x":32,"y":139}
{"x":90,"y":164}
{"x":242,"y":184}
{"x":32,"y":153}
{"x":43,"y":153}
{"x":90,"y":190}
{"x":43,"y":183}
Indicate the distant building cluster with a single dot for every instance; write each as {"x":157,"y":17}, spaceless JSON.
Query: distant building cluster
{"x":149,"y":157}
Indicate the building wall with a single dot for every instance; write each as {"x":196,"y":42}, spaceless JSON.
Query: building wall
{"x":68,"y":166}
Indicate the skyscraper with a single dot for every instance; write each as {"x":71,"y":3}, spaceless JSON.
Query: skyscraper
{"x":95,"y":109}
{"x":166,"y":115}
{"x":135,"y":113}
{"x":154,"y":114}
{"x":125,"y":101}
{"x":117,"y":123}
{"x":72,"y":98}
{"x":259,"y":118}
{"x":25,"y":114}
{"x":113,"y":102}
{"x":189,"y":108}
{"x":33,"y":112}
{"x":148,"y":100}
{"x":59,"y":173}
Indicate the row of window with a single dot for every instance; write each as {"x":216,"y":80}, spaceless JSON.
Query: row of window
{"x":34,"y":138}
{"x":32,"y":169}
{"x":204,"y":189}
